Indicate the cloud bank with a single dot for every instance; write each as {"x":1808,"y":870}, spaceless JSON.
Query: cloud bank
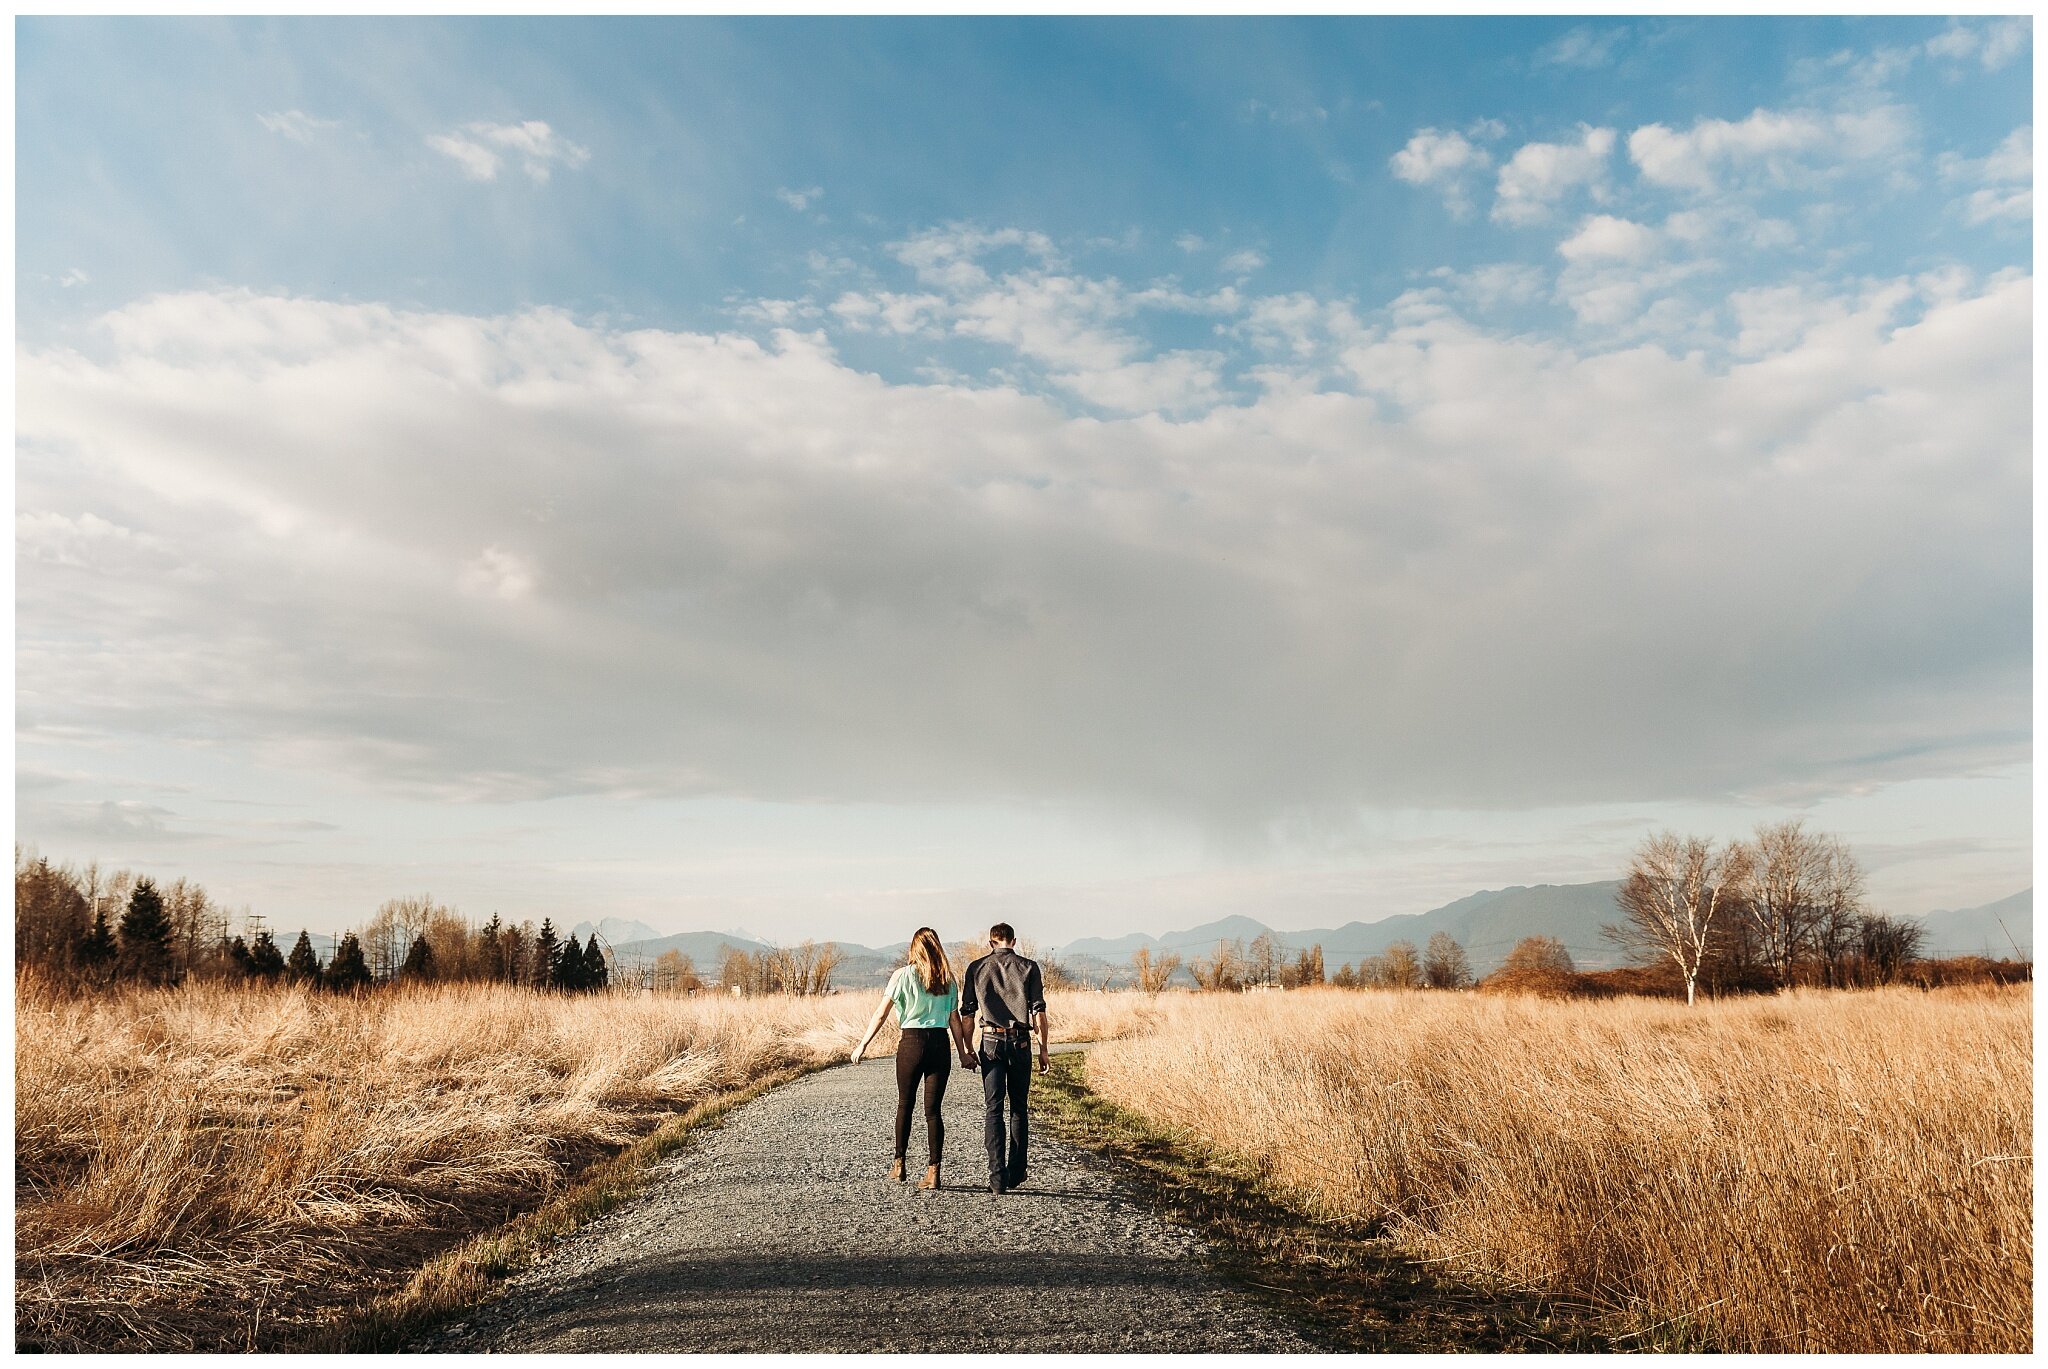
{"x":1430,"y":564}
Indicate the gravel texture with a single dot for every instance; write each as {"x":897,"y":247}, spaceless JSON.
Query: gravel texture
{"x":779,"y":1231}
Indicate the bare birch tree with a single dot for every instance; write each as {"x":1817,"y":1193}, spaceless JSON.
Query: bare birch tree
{"x":1677,"y":899}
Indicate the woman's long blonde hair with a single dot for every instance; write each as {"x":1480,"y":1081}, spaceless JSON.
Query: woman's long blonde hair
{"x":928,"y":954}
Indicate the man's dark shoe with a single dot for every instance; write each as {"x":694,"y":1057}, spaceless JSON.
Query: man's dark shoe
{"x":996,"y":1184}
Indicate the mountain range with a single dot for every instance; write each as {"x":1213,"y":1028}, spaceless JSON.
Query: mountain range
{"x":1487,"y":924}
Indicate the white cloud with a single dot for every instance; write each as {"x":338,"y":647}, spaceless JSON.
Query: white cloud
{"x":1445,"y":159}
{"x":2005,"y":178}
{"x":1728,"y":224}
{"x":1004,"y":288}
{"x":296,"y":124}
{"x":1178,"y":382}
{"x":800,"y":200}
{"x":481,"y":149}
{"x":883,"y":310}
{"x":949,"y":256}
{"x":1501,"y":284}
{"x":1245,"y":262}
{"x":1991,"y":44}
{"x":1603,"y":236}
{"x":1582,"y":47}
{"x":525,"y":555}
{"x":1540,"y":174}
{"x":1778,"y":146}
{"x":73,"y":277}
{"x":1299,"y":326}
{"x":1190,"y":243}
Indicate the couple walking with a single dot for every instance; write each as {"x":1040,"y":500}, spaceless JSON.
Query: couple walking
{"x":1002,"y":994}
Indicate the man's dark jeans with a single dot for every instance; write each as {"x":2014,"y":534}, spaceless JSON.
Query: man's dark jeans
{"x":1005,"y":1071}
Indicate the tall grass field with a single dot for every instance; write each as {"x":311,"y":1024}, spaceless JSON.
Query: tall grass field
{"x":232,"y":1167}
{"x":225,"y":1166}
{"x":1814,"y":1171}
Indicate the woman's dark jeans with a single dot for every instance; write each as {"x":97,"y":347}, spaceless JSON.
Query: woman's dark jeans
{"x":924,"y":1053}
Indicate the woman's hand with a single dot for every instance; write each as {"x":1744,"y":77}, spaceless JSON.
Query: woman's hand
{"x":854,"y":1059}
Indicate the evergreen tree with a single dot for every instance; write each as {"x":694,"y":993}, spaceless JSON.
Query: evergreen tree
{"x":96,"y":948}
{"x":419,"y":960}
{"x":569,"y":969}
{"x":146,"y":935}
{"x":239,"y":957}
{"x":596,"y":974}
{"x":348,"y":972}
{"x":491,"y":949}
{"x":264,"y":957}
{"x":547,"y":950}
{"x":303,"y":966}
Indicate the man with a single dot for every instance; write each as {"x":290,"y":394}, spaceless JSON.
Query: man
{"x":1004,"y":994}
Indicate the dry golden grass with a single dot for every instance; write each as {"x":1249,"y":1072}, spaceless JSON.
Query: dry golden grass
{"x":221,"y":1166}
{"x":1841,"y":1172}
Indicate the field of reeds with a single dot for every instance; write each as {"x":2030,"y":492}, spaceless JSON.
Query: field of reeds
{"x":227,"y":1166}
{"x":233,"y":1167}
{"x":1813,"y":1171}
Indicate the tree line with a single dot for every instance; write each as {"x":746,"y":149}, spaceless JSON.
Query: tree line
{"x":1265,"y":963}
{"x":1783,"y":907}
{"x":96,"y":928}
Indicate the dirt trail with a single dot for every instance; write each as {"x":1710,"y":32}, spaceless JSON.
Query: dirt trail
{"x":779,"y":1231}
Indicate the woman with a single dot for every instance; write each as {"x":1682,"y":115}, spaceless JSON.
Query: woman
{"x":926,"y":999}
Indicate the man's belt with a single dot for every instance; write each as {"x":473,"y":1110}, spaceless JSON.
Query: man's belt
{"x":1014,"y":1029}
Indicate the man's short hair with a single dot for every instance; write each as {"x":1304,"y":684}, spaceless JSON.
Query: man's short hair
{"x":1002,"y":931}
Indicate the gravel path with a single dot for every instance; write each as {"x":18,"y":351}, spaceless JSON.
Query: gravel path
{"x":778,"y":1231}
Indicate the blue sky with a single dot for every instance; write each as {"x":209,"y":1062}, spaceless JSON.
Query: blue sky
{"x":823,"y":474}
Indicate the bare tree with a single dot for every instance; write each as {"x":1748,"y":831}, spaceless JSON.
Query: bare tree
{"x":1262,"y":961}
{"x":823,"y":964}
{"x":1802,"y":897}
{"x":1306,"y":969}
{"x":1537,"y":965}
{"x":1444,"y":965}
{"x":390,"y":932}
{"x":53,"y":911}
{"x":1153,"y":973}
{"x":1676,"y":901}
{"x":1399,"y":967}
{"x":1886,"y":945}
{"x":675,"y":972}
{"x":736,"y":970}
{"x":1223,"y":970}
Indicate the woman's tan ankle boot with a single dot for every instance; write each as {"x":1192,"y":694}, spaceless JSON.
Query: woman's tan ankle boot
{"x":931,"y":1178}
{"x":896,"y":1170}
